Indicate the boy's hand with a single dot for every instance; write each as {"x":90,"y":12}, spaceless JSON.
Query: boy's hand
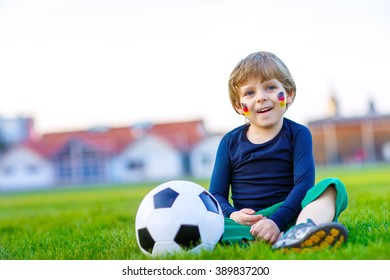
{"x":246,"y":217}
{"x":265,"y":229}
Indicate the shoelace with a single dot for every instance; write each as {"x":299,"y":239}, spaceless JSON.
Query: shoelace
{"x":300,"y":230}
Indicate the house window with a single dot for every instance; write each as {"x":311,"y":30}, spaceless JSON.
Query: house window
{"x":79,"y":163}
{"x":206,"y":159}
{"x":8,"y":170}
{"x":135,"y":165}
{"x":65,"y":171}
{"x":32,"y":169}
{"x":91,"y":168}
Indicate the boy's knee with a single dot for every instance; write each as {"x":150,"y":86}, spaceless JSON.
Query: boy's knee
{"x":330,"y":191}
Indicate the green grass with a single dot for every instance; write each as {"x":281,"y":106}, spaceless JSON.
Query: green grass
{"x":97,"y":223}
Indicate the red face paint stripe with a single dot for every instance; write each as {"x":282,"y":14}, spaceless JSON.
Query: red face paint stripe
{"x":245,"y":109}
{"x":280,"y":96}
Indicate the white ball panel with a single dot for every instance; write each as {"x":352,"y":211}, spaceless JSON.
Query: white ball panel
{"x":200,"y":247}
{"x":189,"y":209}
{"x":211,"y":228}
{"x":144,"y":212}
{"x":163,"y":224}
{"x":161,"y":248}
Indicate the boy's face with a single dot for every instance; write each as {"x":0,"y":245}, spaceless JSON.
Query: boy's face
{"x":264,"y":103}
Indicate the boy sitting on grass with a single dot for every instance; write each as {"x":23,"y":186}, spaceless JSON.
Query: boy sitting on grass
{"x":267,"y":165}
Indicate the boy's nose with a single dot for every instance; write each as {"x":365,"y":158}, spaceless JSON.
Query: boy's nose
{"x":262,"y":96}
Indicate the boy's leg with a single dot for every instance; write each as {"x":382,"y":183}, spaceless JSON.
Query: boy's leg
{"x":335,"y":197}
{"x":236,"y":233}
{"x":322,"y":209}
{"x":331,"y":198}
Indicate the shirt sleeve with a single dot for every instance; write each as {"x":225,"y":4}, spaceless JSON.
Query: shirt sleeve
{"x":221,"y":177}
{"x":304,"y":177}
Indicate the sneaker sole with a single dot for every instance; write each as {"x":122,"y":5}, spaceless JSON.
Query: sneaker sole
{"x":331,"y":235}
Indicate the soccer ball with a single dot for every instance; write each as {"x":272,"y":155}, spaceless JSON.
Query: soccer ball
{"x":178,"y":216}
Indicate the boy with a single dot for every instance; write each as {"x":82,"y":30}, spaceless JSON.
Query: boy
{"x":267,"y":165}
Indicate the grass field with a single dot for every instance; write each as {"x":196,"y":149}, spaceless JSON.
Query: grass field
{"x":97,"y":223}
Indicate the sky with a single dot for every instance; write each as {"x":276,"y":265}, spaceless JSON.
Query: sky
{"x":77,"y":64}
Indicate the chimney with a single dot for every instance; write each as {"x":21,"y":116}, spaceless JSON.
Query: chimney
{"x":371,"y":108}
{"x":333,"y":107}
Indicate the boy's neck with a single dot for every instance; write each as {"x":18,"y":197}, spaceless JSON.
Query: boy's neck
{"x":261,"y":135}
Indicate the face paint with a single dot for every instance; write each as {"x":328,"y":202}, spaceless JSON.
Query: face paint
{"x":281,"y":99}
{"x":245,"y":109}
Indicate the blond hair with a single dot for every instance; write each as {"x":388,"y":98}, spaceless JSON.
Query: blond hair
{"x":260,"y":65}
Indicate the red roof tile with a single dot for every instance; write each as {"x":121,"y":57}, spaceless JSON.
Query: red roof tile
{"x":110,"y":140}
{"x":181,"y":135}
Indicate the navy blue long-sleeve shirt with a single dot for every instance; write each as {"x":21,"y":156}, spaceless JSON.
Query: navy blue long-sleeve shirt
{"x":261,"y":175}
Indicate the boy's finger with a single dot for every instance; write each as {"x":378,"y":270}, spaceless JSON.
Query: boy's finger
{"x":248,"y":211}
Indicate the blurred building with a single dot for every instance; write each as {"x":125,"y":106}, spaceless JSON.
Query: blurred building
{"x":351,"y":140}
{"x":106,"y":155}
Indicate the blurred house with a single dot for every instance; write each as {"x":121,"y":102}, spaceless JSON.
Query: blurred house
{"x":24,"y":166}
{"x":138,"y":153}
{"x":351,"y":140}
{"x":80,"y":157}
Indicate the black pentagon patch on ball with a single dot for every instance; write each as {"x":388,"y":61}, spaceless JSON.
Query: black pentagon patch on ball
{"x":210,"y":202}
{"x":188,"y":236}
{"x":165,"y":198}
{"x":146,"y":240}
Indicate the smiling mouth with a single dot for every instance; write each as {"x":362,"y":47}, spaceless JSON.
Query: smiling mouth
{"x":264,"y":110}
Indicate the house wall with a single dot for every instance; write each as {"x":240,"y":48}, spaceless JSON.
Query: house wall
{"x":203,"y":157}
{"x":22,"y":168}
{"x":318,"y":145}
{"x":149,"y":158}
{"x":382,"y":138}
{"x":350,"y":141}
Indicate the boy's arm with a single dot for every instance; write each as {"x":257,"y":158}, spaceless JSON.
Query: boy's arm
{"x":304,"y":177}
{"x":220,"y":178}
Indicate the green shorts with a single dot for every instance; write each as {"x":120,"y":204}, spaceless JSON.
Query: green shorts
{"x":235,"y":232}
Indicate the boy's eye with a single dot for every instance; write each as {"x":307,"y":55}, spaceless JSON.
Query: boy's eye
{"x":249,"y":92}
{"x":271,"y":87}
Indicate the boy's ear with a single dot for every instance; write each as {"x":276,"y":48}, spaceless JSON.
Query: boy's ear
{"x":238,"y":108}
{"x":290,"y":97}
